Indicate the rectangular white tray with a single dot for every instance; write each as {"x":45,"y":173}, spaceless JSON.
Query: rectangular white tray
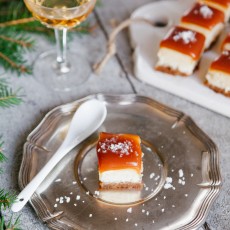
{"x":145,"y":40}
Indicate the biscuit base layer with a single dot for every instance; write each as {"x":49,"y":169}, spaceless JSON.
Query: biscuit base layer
{"x":170,"y":71}
{"x":217,"y":89}
{"x":121,"y":186}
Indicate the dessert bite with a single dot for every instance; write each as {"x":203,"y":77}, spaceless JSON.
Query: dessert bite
{"x":205,"y":20}
{"x":226,"y":43}
{"x":218,"y":76}
{"x":119,"y":161}
{"x":180,"y":51}
{"x":221,"y":5}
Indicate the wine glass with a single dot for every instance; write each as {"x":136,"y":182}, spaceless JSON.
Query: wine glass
{"x":56,"y":69}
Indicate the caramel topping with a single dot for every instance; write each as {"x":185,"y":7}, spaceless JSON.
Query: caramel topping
{"x":184,"y":41}
{"x":204,"y":16}
{"x":222,"y":63}
{"x":119,"y":151}
{"x":224,"y":3}
{"x":225,"y":42}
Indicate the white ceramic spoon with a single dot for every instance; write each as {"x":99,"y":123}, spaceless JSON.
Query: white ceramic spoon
{"x":86,"y":120}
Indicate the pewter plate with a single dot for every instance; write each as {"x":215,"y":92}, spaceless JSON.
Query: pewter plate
{"x":181,"y":170}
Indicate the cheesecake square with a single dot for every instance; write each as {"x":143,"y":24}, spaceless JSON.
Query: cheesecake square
{"x":218,"y":76}
{"x":221,"y":5}
{"x":180,"y":51}
{"x":119,"y":161}
{"x":205,"y":20}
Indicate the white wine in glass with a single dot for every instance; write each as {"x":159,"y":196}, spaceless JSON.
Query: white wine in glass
{"x":57,"y":69}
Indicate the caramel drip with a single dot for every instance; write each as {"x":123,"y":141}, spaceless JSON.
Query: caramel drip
{"x":119,"y":151}
{"x":222,"y":63}
{"x":193,"y":49}
{"x":205,"y":20}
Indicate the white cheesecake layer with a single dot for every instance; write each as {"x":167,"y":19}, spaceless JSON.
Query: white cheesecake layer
{"x":210,"y":35}
{"x":176,"y":61}
{"x":120,"y":176}
{"x":219,"y":79}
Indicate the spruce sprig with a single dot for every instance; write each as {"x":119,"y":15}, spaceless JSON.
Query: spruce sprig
{"x":2,"y":156}
{"x":12,"y":225}
{"x":6,"y":199}
{"x":8,"y":97}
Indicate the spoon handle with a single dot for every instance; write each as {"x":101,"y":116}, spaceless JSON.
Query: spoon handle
{"x":28,"y":191}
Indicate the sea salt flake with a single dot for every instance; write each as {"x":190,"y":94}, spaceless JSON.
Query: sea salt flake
{"x":67,"y":199}
{"x":191,"y":174}
{"x":129,"y":210}
{"x":162,"y":210}
{"x":71,"y":193}
{"x":157,"y":178}
{"x":164,"y":197}
{"x":143,"y":211}
{"x":206,"y":12}
{"x":85,"y":178}
{"x":181,"y":173}
{"x":115,"y":218}
{"x":58,"y":180}
{"x":173,"y":206}
{"x":90,"y":215}
{"x":147,"y":213}
{"x":136,"y":224}
{"x":57,"y":199}
{"x":87,"y":193}
{"x":186,"y":36}
{"x":147,"y":188}
{"x":78,"y":197}
{"x":153,"y":221}
{"x":151,"y":175}
{"x":168,"y":182}
{"x":74,"y":182}
{"x":75,"y":204}
{"x":186,"y":195}
{"x":127,"y":220}
{"x":55,"y":206}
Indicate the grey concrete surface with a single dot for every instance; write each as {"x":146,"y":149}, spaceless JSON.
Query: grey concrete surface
{"x":116,"y":78}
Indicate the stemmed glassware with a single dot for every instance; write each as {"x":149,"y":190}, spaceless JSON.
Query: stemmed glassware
{"x":58,"y":69}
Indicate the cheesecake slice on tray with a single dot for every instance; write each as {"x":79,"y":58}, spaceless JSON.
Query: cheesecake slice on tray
{"x":119,"y":161}
{"x":221,"y":5}
{"x":205,"y":20}
{"x":180,"y":51}
{"x":218,"y":76}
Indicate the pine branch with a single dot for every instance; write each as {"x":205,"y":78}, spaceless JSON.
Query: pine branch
{"x":2,"y":156}
{"x":6,"y":199}
{"x":12,"y":225}
{"x":8,"y":97}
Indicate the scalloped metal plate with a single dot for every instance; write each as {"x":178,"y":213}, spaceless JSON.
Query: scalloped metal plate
{"x":189,"y":159}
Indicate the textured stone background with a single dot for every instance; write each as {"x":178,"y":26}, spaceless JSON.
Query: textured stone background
{"x":116,"y":78}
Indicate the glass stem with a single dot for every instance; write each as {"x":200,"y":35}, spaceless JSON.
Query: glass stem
{"x":62,"y":66}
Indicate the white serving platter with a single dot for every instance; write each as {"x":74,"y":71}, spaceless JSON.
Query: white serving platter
{"x":145,"y":40}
